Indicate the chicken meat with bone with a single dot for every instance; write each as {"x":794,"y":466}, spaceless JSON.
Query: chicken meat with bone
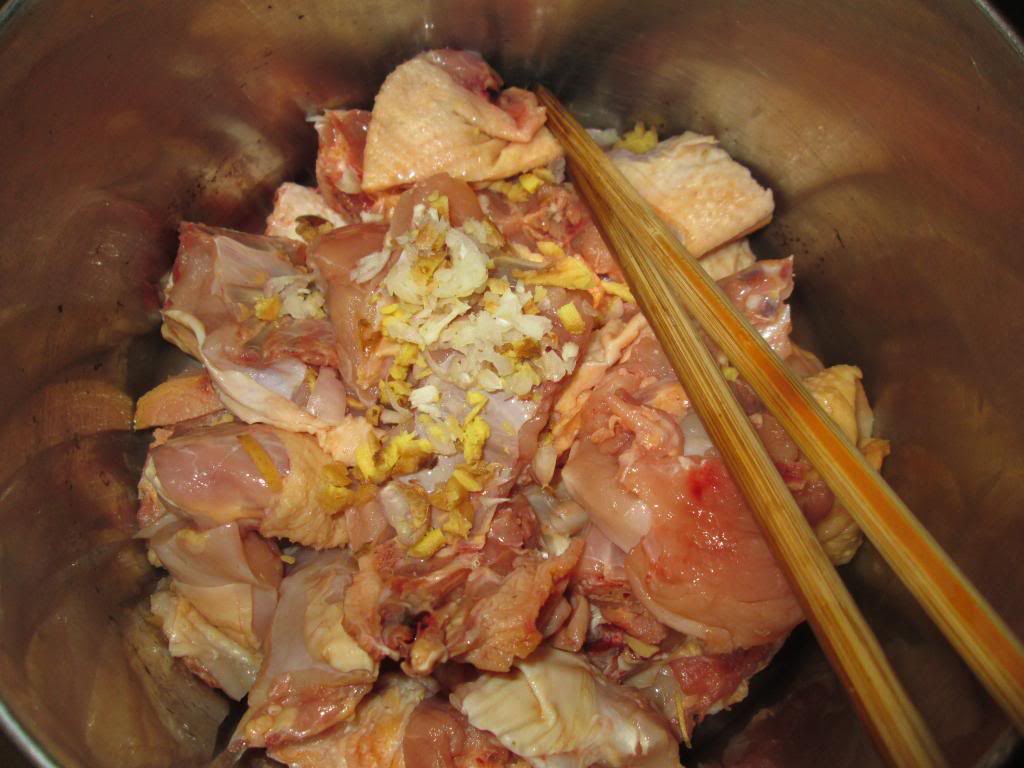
{"x":431,"y":493}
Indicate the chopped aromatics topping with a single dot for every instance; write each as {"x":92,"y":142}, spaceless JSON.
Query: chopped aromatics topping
{"x":571,"y":318}
{"x":264,"y":463}
{"x":618,"y":289}
{"x":566,"y":272}
{"x":431,"y":542}
{"x":639,"y":140}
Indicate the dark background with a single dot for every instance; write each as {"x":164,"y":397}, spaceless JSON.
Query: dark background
{"x":1011,"y":10}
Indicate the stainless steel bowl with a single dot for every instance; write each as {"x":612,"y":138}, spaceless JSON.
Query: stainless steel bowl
{"x":892,"y":134}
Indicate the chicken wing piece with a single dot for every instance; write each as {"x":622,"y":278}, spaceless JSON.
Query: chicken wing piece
{"x":301,"y":213}
{"x":704,"y":195}
{"x":249,"y":309}
{"x":436,"y":113}
{"x":179,"y":399}
{"x":314,"y":674}
{"x":217,"y":606}
{"x":373,"y":738}
{"x":275,"y":480}
{"x":586,"y":720}
{"x":404,"y":723}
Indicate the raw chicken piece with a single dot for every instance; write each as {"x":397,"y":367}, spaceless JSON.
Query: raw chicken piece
{"x":218,"y":276}
{"x":339,"y":160}
{"x":556,"y":711}
{"x":688,"y":685}
{"x":265,"y":370}
{"x":271,"y":478}
{"x":182,"y":398}
{"x":728,"y":259}
{"x":702,"y":193}
{"x":217,"y":607}
{"x":705,"y":569}
{"x":401,"y":725}
{"x":434,"y":113}
{"x":839,"y":393}
{"x":439,"y":736}
{"x":336,"y":255}
{"x":477,"y":606}
{"x":494,"y":622}
{"x":373,"y":738}
{"x":208,"y":653}
{"x":300,"y":213}
{"x":760,"y":292}
{"x":314,"y":675}
{"x":696,"y":558}
{"x":642,"y":468}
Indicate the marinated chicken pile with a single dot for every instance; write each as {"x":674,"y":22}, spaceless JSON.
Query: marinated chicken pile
{"x":435,"y":496}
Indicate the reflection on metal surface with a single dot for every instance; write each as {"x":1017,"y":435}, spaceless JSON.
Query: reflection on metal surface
{"x":892,"y":135}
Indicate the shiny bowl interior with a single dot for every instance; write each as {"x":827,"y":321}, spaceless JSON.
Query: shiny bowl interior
{"x":891,"y":133}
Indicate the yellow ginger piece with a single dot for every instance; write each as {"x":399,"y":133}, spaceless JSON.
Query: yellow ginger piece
{"x":403,"y":454}
{"x":618,"y":289}
{"x":639,"y":140}
{"x":426,"y":547}
{"x":566,"y":272}
{"x":475,"y":429}
{"x":267,"y":308}
{"x":531,"y":182}
{"x":457,"y":525}
{"x":520,"y":190}
{"x":338,"y":490}
{"x":640,"y":648}
{"x":264,"y":464}
{"x":404,"y":359}
{"x":453,"y":496}
{"x":439,"y":203}
{"x":571,"y":318}
{"x":466,"y":479}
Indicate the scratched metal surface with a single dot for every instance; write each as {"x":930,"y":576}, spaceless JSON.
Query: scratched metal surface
{"x":892,"y":134}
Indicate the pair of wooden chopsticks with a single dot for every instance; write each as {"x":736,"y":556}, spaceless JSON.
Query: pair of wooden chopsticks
{"x":670,"y":287}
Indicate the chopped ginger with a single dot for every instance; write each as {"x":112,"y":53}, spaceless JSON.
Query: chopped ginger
{"x":268,"y":308}
{"x":426,"y":547}
{"x":475,"y":432}
{"x":640,"y":648}
{"x":264,"y":464}
{"x":571,"y":318}
{"x":639,"y":140}
{"x":403,"y":454}
{"x":531,"y":182}
{"x":457,"y":525}
{"x":440,"y":204}
{"x":467,"y":481}
{"x":568,"y":272}
{"x":618,"y":289}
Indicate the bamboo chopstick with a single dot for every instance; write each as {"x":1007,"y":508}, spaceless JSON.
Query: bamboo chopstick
{"x":974,"y":630}
{"x":643,"y":245}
